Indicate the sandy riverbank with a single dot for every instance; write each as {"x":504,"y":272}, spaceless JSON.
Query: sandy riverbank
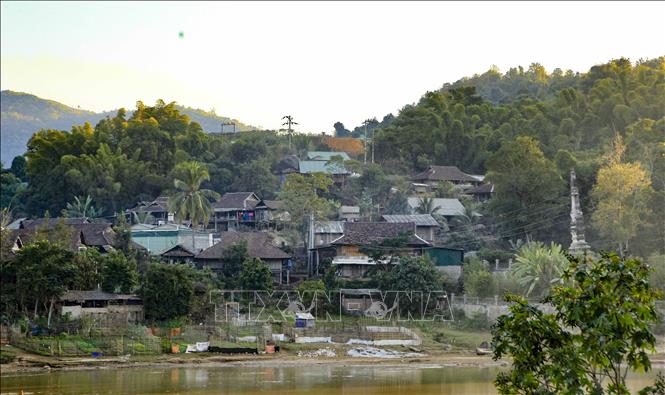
{"x":30,"y":363}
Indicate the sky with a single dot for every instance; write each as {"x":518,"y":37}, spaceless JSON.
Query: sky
{"x":320,"y":62}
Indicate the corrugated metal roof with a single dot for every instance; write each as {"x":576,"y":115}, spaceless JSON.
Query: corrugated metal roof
{"x":329,"y":227}
{"x":418,"y":219}
{"x":445,"y":207}
{"x":319,"y":166}
{"x":326,"y":155}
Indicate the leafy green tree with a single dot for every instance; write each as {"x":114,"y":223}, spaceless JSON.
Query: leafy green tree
{"x":477,"y":279}
{"x":657,"y":277}
{"x":537,"y":268}
{"x":167,"y":291}
{"x":311,"y":289}
{"x":44,"y":271}
{"x":18,"y":167}
{"x":232,"y":263}
{"x":255,"y":275}
{"x":119,"y":273}
{"x":599,"y":331}
{"x":412,"y":274}
{"x":621,"y":193}
{"x":526,"y":184}
{"x":89,"y":266}
{"x":301,"y":197}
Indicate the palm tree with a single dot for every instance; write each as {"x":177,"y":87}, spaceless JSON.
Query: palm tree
{"x":143,"y":217}
{"x":190,"y":201}
{"x":82,"y":208}
{"x":538,"y":266}
{"x":426,"y":206}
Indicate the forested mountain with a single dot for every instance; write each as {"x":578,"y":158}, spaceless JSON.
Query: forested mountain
{"x":523,"y":120}
{"x":525,"y":129}
{"x":23,"y":114}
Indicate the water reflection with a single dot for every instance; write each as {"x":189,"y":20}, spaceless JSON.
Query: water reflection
{"x":305,"y":379}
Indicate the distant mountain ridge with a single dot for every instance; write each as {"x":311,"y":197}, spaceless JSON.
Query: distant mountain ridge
{"x":23,"y":114}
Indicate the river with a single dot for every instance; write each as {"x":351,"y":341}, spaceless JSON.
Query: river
{"x":312,"y":379}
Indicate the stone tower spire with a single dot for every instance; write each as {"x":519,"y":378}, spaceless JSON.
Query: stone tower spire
{"x":578,"y":244}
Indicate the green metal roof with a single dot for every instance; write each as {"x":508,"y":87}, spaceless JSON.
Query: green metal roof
{"x":326,"y":155}
{"x":319,"y":166}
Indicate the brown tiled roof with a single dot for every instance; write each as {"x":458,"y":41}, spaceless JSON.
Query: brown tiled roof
{"x":444,"y":173}
{"x":29,"y":236}
{"x":258,"y":246}
{"x":178,"y":251}
{"x":159,"y":205}
{"x":364,"y":233}
{"x":236,"y":201}
{"x":52,"y":222}
{"x":271,"y":204}
{"x":98,"y":234}
{"x":91,"y":235}
{"x":484,"y":188}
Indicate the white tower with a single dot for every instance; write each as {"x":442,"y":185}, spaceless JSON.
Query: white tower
{"x":578,"y":244}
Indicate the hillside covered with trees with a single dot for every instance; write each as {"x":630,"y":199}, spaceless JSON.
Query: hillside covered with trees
{"x":23,"y":114}
{"x":525,"y":129}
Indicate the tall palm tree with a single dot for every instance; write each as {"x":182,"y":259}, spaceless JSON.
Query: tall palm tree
{"x":190,"y":201}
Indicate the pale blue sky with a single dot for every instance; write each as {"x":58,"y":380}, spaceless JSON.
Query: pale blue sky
{"x":320,"y":62}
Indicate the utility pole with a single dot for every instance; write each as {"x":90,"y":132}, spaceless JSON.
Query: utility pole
{"x":289,"y":122}
{"x":365,"y":123}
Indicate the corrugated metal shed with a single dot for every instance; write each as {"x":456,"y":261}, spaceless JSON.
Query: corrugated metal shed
{"x":418,"y":219}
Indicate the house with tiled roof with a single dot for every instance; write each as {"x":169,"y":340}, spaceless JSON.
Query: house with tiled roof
{"x":351,"y":259}
{"x":426,"y":225}
{"x":234,"y":209}
{"x":259,"y":245}
{"x":437,"y":174}
{"x":78,"y":233}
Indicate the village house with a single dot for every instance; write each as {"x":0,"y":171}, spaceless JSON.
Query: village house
{"x":434,"y":175}
{"x":102,"y":306}
{"x":351,"y":262}
{"x":326,"y":155}
{"x":447,"y":208}
{"x":157,"y":239}
{"x":321,"y":162}
{"x":481,"y":193}
{"x":79,"y":233}
{"x":155,"y":211}
{"x":426,"y":225}
{"x":270,"y":213}
{"x":178,"y":254}
{"x":259,"y":246}
{"x":349,"y":213}
{"x":233,"y":210}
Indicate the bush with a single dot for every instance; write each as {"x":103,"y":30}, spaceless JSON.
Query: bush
{"x":6,"y":358}
{"x":477,"y":321}
{"x":481,"y":284}
{"x":491,"y":255}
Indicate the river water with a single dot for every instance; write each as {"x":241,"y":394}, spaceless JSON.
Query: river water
{"x":305,"y":379}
